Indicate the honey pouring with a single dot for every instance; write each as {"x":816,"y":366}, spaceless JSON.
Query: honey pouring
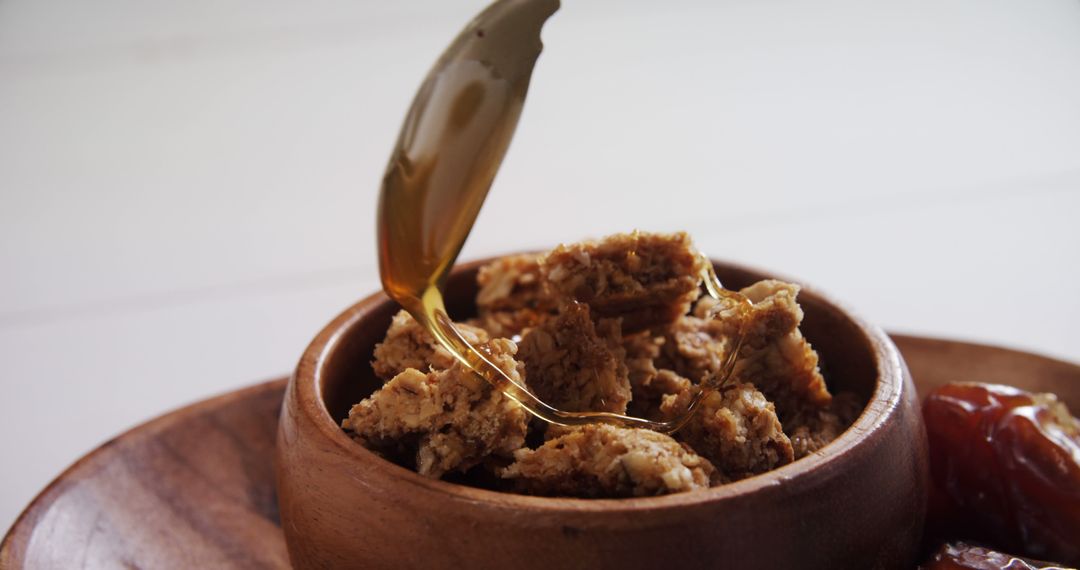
{"x":451,"y":145}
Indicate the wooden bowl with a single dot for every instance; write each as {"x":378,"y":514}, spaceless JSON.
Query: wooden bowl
{"x":857,"y":503}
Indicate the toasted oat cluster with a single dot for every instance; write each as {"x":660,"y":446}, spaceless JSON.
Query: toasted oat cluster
{"x":736,"y":429}
{"x":645,"y":279}
{"x":512,"y":297}
{"x":445,"y":419}
{"x":608,"y":461}
{"x":408,"y":346}
{"x":812,"y":428}
{"x":576,"y":365}
{"x":615,"y":325}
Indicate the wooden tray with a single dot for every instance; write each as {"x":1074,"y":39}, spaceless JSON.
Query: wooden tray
{"x":195,"y":488}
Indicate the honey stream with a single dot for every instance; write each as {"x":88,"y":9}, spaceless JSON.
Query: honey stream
{"x":452,"y":143}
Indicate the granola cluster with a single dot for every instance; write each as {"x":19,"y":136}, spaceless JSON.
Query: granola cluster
{"x":617,"y":325}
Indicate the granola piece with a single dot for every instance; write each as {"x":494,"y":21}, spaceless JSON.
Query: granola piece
{"x":665,"y":383}
{"x":647,"y":279}
{"x":695,"y":346}
{"x":649,"y":384}
{"x":509,"y":324}
{"x":735,"y":428}
{"x":576,"y":365}
{"x":409,"y":345}
{"x":641,"y":351}
{"x":813,"y":428}
{"x":512,"y":298}
{"x":445,"y":419}
{"x":511,"y":283}
{"x":607,"y":461}
{"x":775,"y":356}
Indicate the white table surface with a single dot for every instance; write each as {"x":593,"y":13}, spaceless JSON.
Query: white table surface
{"x":187,"y":188}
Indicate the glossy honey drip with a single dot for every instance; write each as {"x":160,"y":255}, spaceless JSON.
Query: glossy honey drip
{"x":451,"y":145}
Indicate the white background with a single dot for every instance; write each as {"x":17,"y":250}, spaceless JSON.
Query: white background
{"x":187,"y":188}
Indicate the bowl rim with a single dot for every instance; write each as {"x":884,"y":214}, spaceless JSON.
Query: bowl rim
{"x":883,"y":403}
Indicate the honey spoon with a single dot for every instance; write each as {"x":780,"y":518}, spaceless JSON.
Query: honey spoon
{"x":451,"y":145}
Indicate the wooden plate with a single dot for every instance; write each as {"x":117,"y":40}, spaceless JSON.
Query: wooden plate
{"x":191,"y":489}
{"x":195,"y":488}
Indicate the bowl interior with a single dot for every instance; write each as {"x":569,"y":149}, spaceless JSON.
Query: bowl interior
{"x":846,"y":356}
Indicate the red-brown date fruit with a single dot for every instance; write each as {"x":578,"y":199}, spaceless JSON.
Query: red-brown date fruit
{"x":963,"y":556}
{"x":1006,"y":468}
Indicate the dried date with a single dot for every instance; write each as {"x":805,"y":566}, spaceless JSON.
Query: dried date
{"x":964,"y":556}
{"x":1005,"y":466}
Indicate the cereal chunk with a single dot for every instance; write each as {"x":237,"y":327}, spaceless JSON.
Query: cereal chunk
{"x":606,"y":461}
{"x":775,"y":356}
{"x":409,"y":345}
{"x":641,"y":351}
{"x":647,"y":279}
{"x":512,"y":297}
{"x":511,"y":283}
{"x":735,"y":428}
{"x":447,"y":419}
{"x":649,"y":384}
{"x":664,"y":383}
{"x":695,"y":346}
{"x":576,"y":365}
{"x":508,"y":324}
{"x":813,"y":428}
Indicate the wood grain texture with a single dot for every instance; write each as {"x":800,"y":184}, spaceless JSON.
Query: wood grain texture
{"x":329,"y":486}
{"x":191,"y":489}
{"x":194,"y":488}
{"x":935,"y":362}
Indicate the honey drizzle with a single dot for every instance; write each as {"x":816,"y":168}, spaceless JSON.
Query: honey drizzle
{"x":452,"y":143}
